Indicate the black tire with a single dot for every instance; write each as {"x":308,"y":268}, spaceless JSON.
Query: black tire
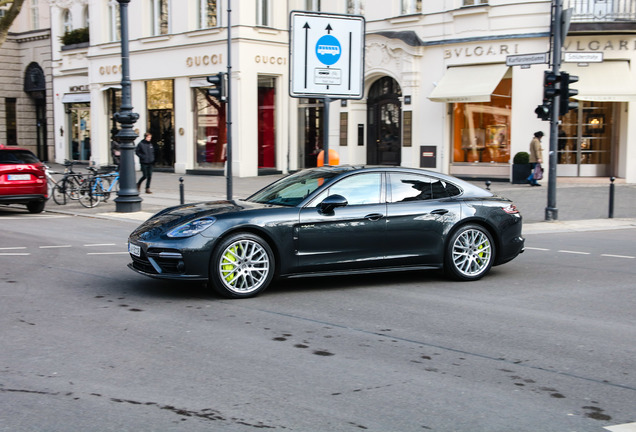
{"x":242,"y":266}
{"x":36,"y":206}
{"x":59,"y":193}
{"x":470,"y":253}
{"x":90,"y":194}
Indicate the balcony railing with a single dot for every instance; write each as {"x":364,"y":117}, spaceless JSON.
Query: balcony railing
{"x":608,"y":11}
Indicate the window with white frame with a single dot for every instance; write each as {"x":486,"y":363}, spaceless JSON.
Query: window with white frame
{"x":160,"y":16}
{"x":86,"y":17}
{"x":312,"y":5}
{"x":208,"y":13}
{"x":35,"y":15}
{"x":411,"y":7}
{"x":263,"y":13}
{"x":67,"y":21}
{"x":355,"y":7}
{"x":474,"y":2}
{"x":114,"y":21}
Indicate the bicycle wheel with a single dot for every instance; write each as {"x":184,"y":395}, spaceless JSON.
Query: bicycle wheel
{"x":73,"y":186}
{"x":90,"y":194}
{"x":59,"y":192}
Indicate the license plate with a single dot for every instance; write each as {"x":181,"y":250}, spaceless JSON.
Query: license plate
{"x":134,"y":249}
{"x":19,"y":176}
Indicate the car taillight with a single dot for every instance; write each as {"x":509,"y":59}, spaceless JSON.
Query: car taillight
{"x":511,"y":209}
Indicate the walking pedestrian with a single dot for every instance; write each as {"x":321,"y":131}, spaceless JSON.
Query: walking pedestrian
{"x":146,"y":153}
{"x":536,"y":156}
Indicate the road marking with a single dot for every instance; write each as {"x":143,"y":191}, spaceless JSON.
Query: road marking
{"x":54,"y":247}
{"x":15,"y":254}
{"x":574,"y":252}
{"x":100,"y":244}
{"x":537,"y":249}
{"x":13,"y":248}
{"x":627,"y":427}
{"x":618,"y":256}
{"x":107,"y":253}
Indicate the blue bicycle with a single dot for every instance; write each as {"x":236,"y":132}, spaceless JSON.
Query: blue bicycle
{"x":99,"y":185}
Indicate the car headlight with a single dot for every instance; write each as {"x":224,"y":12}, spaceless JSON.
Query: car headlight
{"x":191,"y":228}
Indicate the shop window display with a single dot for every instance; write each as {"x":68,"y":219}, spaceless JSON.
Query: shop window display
{"x":211,"y":131}
{"x":481,"y":131}
{"x":585,"y":135}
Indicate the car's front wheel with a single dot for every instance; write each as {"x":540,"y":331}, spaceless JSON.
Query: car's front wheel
{"x":242,"y":266}
{"x":470,"y":253}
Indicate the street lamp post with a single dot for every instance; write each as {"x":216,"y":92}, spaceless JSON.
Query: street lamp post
{"x":128,"y":199}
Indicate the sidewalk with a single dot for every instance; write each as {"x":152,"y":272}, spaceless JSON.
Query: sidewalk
{"x":583,"y":204}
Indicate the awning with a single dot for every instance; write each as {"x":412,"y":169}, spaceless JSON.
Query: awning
{"x":111,"y":87}
{"x":76,"y":98}
{"x":199,"y":82}
{"x":469,"y":83}
{"x":610,"y":81}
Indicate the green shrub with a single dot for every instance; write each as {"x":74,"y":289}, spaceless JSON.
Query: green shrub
{"x":521,"y":158}
{"x":75,"y":36}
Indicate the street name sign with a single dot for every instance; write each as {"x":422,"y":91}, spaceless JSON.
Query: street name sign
{"x":326,"y":55}
{"x":583,"y":57}
{"x":526,"y":59}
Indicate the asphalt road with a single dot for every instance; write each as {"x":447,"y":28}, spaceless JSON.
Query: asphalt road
{"x":544,"y":343}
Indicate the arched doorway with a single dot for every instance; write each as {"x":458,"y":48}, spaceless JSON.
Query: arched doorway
{"x":35,"y":87}
{"x":384,"y":137}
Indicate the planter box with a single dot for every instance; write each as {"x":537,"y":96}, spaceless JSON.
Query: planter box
{"x":520,"y":173}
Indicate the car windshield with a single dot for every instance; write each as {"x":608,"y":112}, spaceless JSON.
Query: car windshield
{"x":17,"y":157}
{"x":292,"y":190}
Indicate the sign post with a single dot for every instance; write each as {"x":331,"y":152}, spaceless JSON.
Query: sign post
{"x":326,"y":59}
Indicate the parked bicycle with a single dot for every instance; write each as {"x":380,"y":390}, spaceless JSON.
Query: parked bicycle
{"x":99,"y":185}
{"x":69,"y":186}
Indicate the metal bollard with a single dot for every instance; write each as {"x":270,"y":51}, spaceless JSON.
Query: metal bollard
{"x":611,"y":198}
{"x":181,"y":192}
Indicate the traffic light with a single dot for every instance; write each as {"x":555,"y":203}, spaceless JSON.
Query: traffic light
{"x":543,"y":111}
{"x":565,"y":93}
{"x":550,"y":80}
{"x":220,"y":86}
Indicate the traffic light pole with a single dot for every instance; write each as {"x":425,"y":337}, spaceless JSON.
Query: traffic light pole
{"x":551,"y":211}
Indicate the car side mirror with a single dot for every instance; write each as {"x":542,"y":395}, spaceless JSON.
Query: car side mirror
{"x":331,"y":202}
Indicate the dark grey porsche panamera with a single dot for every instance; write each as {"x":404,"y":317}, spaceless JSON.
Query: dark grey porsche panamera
{"x":331,"y":220}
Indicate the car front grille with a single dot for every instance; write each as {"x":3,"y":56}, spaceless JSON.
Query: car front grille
{"x":159,"y":261}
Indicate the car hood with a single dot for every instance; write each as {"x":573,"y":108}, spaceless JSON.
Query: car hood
{"x":172,"y":217}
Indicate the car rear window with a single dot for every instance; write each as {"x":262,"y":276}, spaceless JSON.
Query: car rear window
{"x":17,"y":157}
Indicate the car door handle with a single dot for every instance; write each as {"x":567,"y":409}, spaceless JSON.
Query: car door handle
{"x":374,"y":216}
{"x":439,"y":212}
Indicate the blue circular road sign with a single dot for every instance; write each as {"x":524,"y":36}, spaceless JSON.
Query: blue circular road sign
{"x":328,"y":50}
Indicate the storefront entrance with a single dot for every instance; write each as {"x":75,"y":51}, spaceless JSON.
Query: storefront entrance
{"x":384,"y":139}
{"x":79,"y":127}
{"x":160,"y":103}
{"x":266,"y":122}
{"x":586,"y":138}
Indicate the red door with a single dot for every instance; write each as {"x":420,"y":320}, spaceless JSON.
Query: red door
{"x":266,"y":128}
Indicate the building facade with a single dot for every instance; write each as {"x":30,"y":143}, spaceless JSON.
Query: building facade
{"x":437,"y":91}
{"x":26,"y":105}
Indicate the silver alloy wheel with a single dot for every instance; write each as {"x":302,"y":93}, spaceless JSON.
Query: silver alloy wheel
{"x":244,"y":266}
{"x":472,"y":252}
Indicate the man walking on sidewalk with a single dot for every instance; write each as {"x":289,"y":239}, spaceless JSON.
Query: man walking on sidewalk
{"x":536,"y":156}
{"x":146,"y":153}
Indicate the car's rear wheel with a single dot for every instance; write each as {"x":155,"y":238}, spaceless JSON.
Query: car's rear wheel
{"x":242,"y":266}
{"x":36,"y":206}
{"x":470,"y":253}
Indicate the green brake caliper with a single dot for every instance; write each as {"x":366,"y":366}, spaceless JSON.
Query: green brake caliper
{"x":229,"y":259}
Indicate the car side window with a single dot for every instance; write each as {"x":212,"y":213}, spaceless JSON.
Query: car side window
{"x":413,"y":187}
{"x":358,"y":189}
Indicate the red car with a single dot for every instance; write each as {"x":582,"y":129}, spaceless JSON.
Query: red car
{"x":22,"y":178}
